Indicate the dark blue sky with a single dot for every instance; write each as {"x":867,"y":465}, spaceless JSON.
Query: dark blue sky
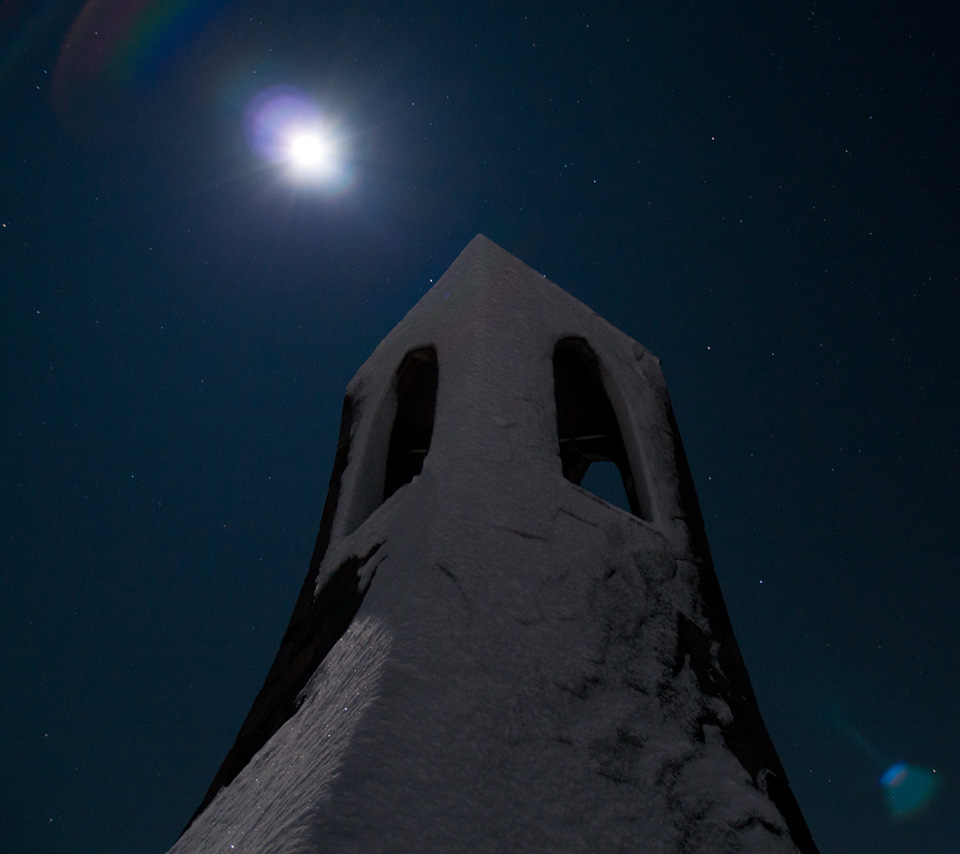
{"x":765,"y":195}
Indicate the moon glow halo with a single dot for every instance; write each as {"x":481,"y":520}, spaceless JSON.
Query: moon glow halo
{"x":286,"y":127}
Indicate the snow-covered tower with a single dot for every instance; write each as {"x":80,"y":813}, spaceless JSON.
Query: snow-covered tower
{"x":486,"y":656}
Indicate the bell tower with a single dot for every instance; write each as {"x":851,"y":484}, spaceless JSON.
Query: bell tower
{"x":485,"y":655}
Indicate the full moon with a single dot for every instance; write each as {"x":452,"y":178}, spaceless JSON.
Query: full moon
{"x":310,"y":154}
{"x":309,"y":146}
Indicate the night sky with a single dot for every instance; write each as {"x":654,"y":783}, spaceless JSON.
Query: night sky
{"x":765,"y":195}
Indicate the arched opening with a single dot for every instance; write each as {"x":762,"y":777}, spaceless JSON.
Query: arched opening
{"x":588,"y":430}
{"x":416,"y":389}
{"x":603,"y":479}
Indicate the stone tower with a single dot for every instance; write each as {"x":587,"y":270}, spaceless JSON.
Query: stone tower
{"x":485,"y":656}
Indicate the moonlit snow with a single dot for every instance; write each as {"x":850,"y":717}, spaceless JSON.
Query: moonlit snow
{"x":530,"y":668}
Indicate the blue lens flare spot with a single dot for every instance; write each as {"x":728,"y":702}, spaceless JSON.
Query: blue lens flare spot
{"x":908,"y":789}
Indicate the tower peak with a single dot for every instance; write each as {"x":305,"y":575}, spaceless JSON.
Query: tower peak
{"x":486,"y":653}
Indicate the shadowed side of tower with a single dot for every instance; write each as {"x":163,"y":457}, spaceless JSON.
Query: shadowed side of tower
{"x":485,"y":655}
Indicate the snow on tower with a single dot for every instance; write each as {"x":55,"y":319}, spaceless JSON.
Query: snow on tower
{"x":485,"y":656}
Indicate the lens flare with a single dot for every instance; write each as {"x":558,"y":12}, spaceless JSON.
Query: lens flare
{"x":116,"y":54}
{"x":908,"y":789}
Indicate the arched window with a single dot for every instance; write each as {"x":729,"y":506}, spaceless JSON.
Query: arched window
{"x":416,"y":388}
{"x":588,"y":430}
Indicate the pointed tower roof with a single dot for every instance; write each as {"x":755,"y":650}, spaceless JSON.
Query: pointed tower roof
{"x":485,"y":654}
